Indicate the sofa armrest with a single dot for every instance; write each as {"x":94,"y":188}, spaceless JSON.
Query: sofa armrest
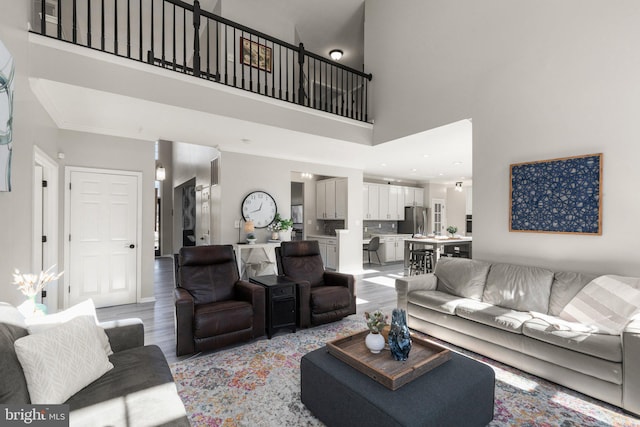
{"x":124,"y":334}
{"x":406,"y":285}
{"x":255,"y":295}
{"x":630,"y":367}
{"x":185,"y":307}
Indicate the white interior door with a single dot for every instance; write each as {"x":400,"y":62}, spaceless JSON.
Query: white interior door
{"x":438,"y":216}
{"x":103,"y":232}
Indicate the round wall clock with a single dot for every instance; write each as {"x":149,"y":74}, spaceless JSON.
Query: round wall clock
{"x":259,"y":207}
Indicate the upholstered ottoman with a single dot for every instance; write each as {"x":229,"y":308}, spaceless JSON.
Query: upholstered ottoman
{"x":458,"y":393}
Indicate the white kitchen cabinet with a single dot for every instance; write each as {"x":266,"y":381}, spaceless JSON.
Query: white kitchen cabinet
{"x":391,"y":203}
{"x":331,"y":199}
{"x":328,"y":251}
{"x":370,"y":201}
{"x":392,"y":248}
{"x":413,"y":196}
{"x":383,"y":202}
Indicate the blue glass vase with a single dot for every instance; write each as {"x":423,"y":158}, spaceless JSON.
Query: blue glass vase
{"x":399,"y":338}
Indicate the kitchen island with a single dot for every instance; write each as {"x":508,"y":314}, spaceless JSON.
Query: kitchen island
{"x":438,"y":245}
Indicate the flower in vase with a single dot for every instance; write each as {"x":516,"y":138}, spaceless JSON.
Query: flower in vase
{"x":32,"y":284}
{"x":376,"y":321}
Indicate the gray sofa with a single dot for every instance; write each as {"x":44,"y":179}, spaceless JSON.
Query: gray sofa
{"x":138,"y":391}
{"x":492,"y":309}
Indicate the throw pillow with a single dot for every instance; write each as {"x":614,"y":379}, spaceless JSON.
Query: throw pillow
{"x":63,"y":361}
{"x":607,"y":303}
{"x":85,"y":308}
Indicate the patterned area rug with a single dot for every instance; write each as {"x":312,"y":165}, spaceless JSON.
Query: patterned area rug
{"x":258,"y":384}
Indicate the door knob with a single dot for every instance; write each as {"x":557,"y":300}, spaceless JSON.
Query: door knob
{"x":131,"y":246}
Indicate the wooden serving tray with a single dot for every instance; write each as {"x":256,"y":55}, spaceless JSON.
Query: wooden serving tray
{"x":382,"y":367}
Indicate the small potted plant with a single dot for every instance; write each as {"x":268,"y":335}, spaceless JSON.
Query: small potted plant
{"x":251,"y":238}
{"x":452,"y":229}
{"x":376,"y":322}
{"x":279,"y":224}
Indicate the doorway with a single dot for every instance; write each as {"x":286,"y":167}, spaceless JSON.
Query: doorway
{"x":45,"y":222}
{"x":297,"y":210}
{"x":184,"y":196}
{"x":103,"y":235}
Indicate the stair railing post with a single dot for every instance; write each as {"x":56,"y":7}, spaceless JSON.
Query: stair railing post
{"x":301,"y":74}
{"x":196,"y":38}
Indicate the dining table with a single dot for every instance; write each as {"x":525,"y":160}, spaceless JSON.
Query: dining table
{"x":436,"y":243}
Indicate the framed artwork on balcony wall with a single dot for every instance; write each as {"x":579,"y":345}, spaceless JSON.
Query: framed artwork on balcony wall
{"x":561,"y":195}
{"x":255,"y":54}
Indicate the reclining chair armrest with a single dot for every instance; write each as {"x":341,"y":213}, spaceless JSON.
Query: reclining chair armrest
{"x":255,"y":295}
{"x":185,"y":307}
{"x":303,"y":295}
{"x":404,"y":286}
{"x":333,"y":278}
{"x":124,"y":334}
{"x":630,"y":367}
{"x":340,"y":279}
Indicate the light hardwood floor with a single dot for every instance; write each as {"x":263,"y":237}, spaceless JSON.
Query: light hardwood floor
{"x":375,"y":289}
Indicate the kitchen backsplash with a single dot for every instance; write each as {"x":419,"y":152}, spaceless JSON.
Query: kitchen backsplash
{"x":383,"y":227}
{"x":329,"y":227}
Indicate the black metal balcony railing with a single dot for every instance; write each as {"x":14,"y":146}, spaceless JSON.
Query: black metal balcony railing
{"x":182,"y":37}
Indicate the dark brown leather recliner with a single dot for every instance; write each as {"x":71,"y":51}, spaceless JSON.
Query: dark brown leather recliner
{"x":323,"y":296}
{"x":214,"y":308}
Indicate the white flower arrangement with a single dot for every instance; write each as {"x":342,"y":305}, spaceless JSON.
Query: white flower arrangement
{"x":31,"y":284}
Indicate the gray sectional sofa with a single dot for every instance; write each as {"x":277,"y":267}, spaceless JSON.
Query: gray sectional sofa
{"x":138,"y":391}
{"x":507,"y":312}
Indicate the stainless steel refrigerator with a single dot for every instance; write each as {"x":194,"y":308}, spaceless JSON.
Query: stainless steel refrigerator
{"x":416,"y":221}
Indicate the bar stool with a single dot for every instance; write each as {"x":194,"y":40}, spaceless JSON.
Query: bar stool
{"x":420,"y":261}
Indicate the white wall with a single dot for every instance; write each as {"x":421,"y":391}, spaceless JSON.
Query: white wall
{"x":541,"y":80}
{"x":32,"y":126}
{"x":456,"y":209}
{"x":243,"y":173}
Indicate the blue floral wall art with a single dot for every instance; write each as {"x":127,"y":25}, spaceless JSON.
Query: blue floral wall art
{"x":557,"y":196}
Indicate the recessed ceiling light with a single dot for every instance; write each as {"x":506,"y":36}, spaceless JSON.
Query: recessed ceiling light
{"x":383,"y":164}
{"x":425,"y":155}
{"x":457,"y":163}
{"x":414,"y":170}
{"x":441,"y":174}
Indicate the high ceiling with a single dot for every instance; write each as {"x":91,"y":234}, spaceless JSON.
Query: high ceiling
{"x":440,"y":155}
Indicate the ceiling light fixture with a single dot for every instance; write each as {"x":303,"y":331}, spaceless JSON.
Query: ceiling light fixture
{"x":336,"y":54}
{"x":459,"y":186}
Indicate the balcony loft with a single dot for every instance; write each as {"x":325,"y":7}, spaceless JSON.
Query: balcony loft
{"x":182,"y":37}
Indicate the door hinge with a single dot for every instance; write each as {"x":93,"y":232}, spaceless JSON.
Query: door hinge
{"x":69,"y":186}
{"x":44,"y":239}
{"x":69,"y":289}
{"x":44,"y":183}
{"x":69,"y":237}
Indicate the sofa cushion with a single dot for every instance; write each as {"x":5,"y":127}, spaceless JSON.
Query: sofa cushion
{"x":565,"y":286}
{"x":462,"y":277}
{"x":574,"y":337}
{"x":139,"y":390}
{"x":491,"y":315}
{"x":71,"y":352}
{"x":606,"y":303}
{"x":518,"y":287}
{"x":436,"y":300}
{"x":329,"y":298}
{"x":86,"y":308}
{"x":222,"y":317}
{"x":13,"y":386}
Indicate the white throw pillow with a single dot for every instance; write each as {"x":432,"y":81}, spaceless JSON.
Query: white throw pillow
{"x":63,"y":361}
{"x":607,"y":304}
{"x":85,"y":308}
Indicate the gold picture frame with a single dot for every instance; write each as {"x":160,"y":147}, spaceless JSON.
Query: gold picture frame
{"x":255,"y":54}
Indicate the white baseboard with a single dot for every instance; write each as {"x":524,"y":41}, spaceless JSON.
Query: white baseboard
{"x":148,"y":299}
